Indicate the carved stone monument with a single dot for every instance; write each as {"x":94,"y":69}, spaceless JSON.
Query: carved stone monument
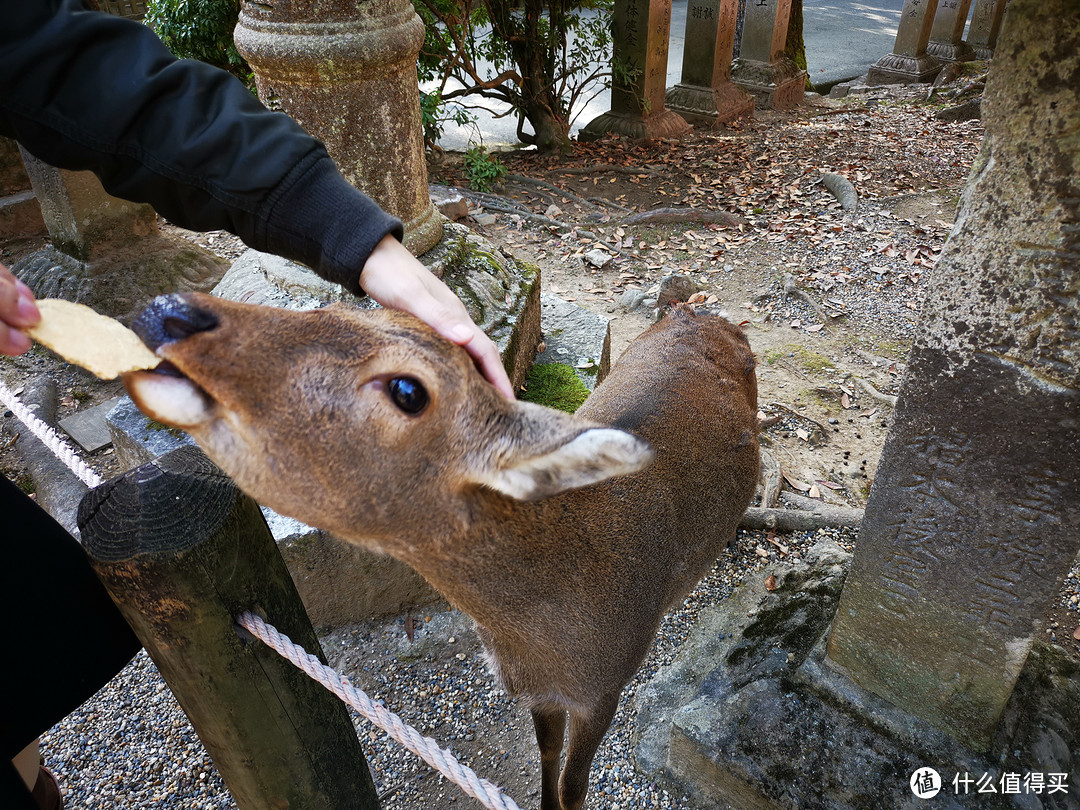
{"x":20,"y":214}
{"x":762,"y":68}
{"x":706,"y":96}
{"x":985,"y":26}
{"x":909,"y":63}
{"x":640,"y":29}
{"x":347,"y":73}
{"x":974,"y":516}
{"x":106,"y":252}
{"x":946,"y":35}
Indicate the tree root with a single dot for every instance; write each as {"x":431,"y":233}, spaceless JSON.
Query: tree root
{"x":669,"y":216}
{"x":808,"y":515}
{"x":603,"y":167}
{"x":887,"y":399}
{"x":841,"y":188}
{"x":792,"y":289}
{"x":543,"y":184}
{"x":770,"y":478}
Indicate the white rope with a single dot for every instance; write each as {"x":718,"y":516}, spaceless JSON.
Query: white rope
{"x":424,"y":747}
{"x":49,"y":437}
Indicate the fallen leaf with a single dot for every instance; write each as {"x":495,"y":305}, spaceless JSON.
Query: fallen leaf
{"x":845,"y":401}
{"x":814,"y":492}
{"x":795,"y":483}
{"x":770,"y":582}
{"x":1076,"y":633}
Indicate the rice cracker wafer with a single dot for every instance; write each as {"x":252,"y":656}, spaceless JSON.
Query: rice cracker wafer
{"x":101,"y":345}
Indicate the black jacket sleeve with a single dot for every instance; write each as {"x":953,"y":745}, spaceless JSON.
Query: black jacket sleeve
{"x":84,"y":90}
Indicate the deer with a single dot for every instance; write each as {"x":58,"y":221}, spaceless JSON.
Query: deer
{"x":566,"y":538}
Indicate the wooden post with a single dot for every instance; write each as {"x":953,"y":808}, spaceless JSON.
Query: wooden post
{"x":182,"y":551}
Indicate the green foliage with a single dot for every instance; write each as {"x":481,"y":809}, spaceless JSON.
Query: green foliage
{"x":544,"y":58}
{"x":202,"y":30}
{"x":556,"y":386}
{"x":481,"y":169}
{"x":435,"y":114}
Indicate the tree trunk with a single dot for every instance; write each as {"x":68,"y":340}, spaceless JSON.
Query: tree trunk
{"x":795,"y":47}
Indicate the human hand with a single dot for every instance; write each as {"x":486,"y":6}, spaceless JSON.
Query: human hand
{"x":17,"y":311}
{"x":394,"y":278}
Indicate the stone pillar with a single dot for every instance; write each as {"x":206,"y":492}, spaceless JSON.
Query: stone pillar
{"x":346,"y":72}
{"x":946,"y":35}
{"x":706,"y":95}
{"x":909,"y":62}
{"x":640,"y":30}
{"x":762,"y":68}
{"x":985,"y":25}
{"x":106,"y":252}
{"x":974,"y":516}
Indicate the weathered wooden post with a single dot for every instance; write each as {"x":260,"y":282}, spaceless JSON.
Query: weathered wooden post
{"x":182,"y":552}
{"x":909,"y":62}
{"x":974,"y":516}
{"x":706,"y":96}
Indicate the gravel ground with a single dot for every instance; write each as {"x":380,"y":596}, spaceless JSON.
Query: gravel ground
{"x":132,"y":746}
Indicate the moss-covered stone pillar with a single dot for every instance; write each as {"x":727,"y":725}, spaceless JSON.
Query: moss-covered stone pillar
{"x":640,"y":30}
{"x":346,"y":71}
{"x":974,"y":516}
{"x":946,"y":36}
{"x":706,"y":96}
{"x":909,"y":63}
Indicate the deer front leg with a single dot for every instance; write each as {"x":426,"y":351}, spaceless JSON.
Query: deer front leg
{"x":586,"y":732}
{"x":550,"y":725}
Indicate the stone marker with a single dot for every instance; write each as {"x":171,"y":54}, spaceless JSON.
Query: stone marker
{"x":974,"y":516}
{"x":985,"y":26}
{"x":762,"y":68}
{"x":576,"y":337}
{"x":706,"y":95}
{"x":640,"y":29}
{"x":946,"y":35}
{"x":909,"y":63}
{"x":106,"y":252}
{"x":347,"y":73}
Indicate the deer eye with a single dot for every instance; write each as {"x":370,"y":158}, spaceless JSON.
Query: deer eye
{"x":408,"y":394}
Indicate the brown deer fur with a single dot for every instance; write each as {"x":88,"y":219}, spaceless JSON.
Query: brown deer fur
{"x":509,"y":509}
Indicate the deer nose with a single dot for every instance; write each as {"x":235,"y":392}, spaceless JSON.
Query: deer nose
{"x":169,"y":318}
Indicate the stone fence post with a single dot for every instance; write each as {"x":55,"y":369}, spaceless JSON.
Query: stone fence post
{"x":706,"y":96}
{"x":946,"y":35}
{"x":762,"y":67}
{"x":909,"y":62}
{"x":985,"y":26}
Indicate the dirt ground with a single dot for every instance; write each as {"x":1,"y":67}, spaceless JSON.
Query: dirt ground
{"x":830,"y":300}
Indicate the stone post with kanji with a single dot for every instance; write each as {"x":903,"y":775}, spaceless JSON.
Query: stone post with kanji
{"x":640,"y":30}
{"x":946,"y":35}
{"x":762,"y":68}
{"x":909,"y":63}
{"x":347,"y":73}
{"x":985,"y":27}
{"x":706,"y":96}
{"x":973,"y":520}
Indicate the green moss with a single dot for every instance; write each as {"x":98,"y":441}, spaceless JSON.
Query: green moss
{"x":153,"y":424}
{"x":555,"y":385}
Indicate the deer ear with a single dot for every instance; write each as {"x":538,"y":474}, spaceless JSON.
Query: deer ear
{"x":591,"y":456}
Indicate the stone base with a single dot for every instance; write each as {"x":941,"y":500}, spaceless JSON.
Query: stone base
{"x":750,"y":715}
{"x":122,"y":280}
{"x":576,"y":337}
{"x":778,"y":85}
{"x":707,"y":107}
{"x":950,"y":51}
{"x":895,"y":68}
{"x":983,"y":53}
{"x":424,"y":231}
{"x":663,"y":124}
